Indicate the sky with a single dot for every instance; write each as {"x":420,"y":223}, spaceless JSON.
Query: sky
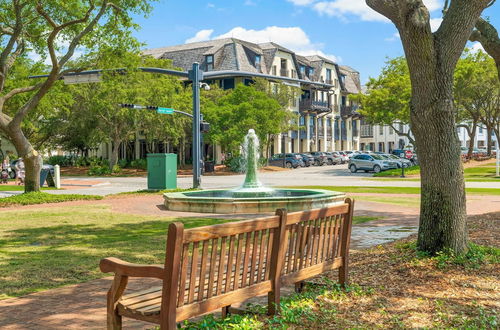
{"x":347,"y":31}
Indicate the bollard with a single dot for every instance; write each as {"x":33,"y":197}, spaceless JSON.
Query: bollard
{"x":57,"y":176}
{"x":402,"y":170}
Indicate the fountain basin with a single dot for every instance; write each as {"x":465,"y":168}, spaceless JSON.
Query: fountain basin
{"x":225,"y":201}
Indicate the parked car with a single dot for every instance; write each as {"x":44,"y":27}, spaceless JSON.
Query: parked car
{"x":344,"y":156}
{"x":320,"y":158}
{"x":333,"y":158}
{"x":406,"y":153}
{"x":374,"y":162}
{"x":350,"y":153}
{"x":291,"y":160}
{"x":402,"y":162}
{"x":307,"y":159}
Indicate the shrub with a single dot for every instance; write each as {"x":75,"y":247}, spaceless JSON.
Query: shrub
{"x":235,"y":164}
{"x":97,"y":169}
{"x":123,"y":163}
{"x":139,"y":164}
{"x":58,"y":160}
{"x":116,"y":169}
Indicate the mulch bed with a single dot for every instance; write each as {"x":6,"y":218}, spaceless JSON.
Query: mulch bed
{"x":412,"y":292}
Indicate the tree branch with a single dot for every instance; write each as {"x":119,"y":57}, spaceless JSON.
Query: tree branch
{"x":457,"y":25}
{"x":55,"y":74}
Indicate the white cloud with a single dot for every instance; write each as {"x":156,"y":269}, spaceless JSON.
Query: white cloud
{"x":344,"y":8}
{"x":302,"y":2}
{"x":293,"y":38}
{"x":394,"y":37}
{"x":477,"y":47}
{"x":201,"y":35}
{"x":435,"y":23}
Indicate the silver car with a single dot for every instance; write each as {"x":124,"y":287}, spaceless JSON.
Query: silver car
{"x":402,"y":162}
{"x":373,"y":162}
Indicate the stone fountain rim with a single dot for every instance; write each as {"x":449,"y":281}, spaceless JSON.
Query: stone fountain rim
{"x":184,"y":195}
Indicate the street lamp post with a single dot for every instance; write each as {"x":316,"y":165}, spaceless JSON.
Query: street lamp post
{"x":196,"y":76}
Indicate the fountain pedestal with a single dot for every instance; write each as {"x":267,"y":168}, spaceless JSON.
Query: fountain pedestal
{"x":252,"y":196}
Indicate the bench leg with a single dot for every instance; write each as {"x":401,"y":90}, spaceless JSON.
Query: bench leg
{"x":114,"y":320}
{"x":273,"y":302}
{"x":299,"y":286}
{"x":344,"y":276}
{"x":225,"y":311}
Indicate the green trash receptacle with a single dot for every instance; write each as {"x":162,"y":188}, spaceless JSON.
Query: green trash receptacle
{"x":162,"y":171}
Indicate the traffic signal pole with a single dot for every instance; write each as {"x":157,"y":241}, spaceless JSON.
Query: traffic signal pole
{"x":196,"y":76}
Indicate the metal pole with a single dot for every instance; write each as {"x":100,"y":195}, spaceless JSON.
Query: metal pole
{"x":498,"y":153}
{"x":196,"y":75}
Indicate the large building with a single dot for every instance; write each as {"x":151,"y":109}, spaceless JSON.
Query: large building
{"x":327,"y":120}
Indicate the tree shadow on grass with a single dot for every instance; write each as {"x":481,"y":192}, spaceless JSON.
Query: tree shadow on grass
{"x":34,"y":259}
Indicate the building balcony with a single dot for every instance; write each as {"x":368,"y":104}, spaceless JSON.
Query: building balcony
{"x":284,"y":73}
{"x":309,"y":105}
{"x":329,"y":81}
{"x":348,"y":111}
{"x":366,"y":131}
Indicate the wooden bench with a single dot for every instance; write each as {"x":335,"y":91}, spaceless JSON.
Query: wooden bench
{"x":212,"y":267}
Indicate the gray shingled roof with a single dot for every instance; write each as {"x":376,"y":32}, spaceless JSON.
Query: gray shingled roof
{"x":352,"y":82}
{"x":239,"y":55}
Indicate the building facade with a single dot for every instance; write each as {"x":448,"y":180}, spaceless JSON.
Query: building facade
{"x":326,"y":118}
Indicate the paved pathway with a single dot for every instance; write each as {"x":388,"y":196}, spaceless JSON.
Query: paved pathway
{"x":337,"y":175}
{"x":82,"y":306}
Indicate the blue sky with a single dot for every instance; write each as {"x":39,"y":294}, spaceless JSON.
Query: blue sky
{"x":345,"y":30}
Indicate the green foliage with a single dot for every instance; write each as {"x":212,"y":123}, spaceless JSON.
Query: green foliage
{"x":296,"y":310}
{"x":139,"y":164}
{"x":233,"y":114}
{"x":42,"y":198}
{"x":97,"y":169}
{"x":475,"y":257}
{"x":388,"y":96}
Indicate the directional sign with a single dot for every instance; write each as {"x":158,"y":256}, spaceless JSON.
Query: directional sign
{"x":166,"y":111}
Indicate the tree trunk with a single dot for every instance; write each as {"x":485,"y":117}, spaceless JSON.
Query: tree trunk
{"x":442,"y":209}
{"x":32,"y":160}
{"x":113,"y":160}
{"x":489,"y":130}
{"x":472,"y":137}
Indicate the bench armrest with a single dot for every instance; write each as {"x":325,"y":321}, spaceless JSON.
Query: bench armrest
{"x":123,"y":268}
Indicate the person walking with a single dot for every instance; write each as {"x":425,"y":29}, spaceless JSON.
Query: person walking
{"x":20,"y":172}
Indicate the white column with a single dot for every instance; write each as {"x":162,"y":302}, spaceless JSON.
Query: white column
{"x":57,"y":176}
{"x":325,"y":139}
{"x":277,"y":144}
{"x":308,"y":134}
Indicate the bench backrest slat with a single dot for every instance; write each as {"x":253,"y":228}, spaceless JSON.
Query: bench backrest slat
{"x":216,"y":266}
{"x":314,"y":241}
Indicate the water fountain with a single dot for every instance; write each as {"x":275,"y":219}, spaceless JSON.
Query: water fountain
{"x":252,"y":196}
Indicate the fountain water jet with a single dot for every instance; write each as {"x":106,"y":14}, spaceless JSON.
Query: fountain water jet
{"x":252,"y":196}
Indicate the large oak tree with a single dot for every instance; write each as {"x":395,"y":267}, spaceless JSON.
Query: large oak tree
{"x":432,"y":58}
{"x":55,"y":30}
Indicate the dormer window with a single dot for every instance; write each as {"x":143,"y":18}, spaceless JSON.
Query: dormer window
{"x":342,"y":78}
{"x":257,"y":61}
{"x":302,"y":70}
{"x":209,"y":59}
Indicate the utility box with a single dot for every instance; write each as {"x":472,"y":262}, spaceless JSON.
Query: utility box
{"x":162,"y":171}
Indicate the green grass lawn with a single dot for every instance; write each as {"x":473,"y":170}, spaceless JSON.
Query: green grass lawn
{"x":394,"y":190}
{"x":20,"y":188}
{"x":43,"y":198}
{"x":51,"y":247}
{"x":401,"y":201}
{"x":483,"y":173}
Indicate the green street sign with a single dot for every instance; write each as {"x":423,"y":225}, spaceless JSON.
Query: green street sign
{"x":165,"y":111}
